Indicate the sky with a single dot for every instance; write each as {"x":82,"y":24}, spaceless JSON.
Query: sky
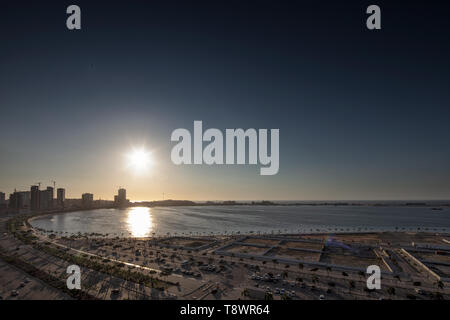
{"x":363,"y":115}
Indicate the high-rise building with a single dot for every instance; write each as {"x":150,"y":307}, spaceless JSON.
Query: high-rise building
{"x":122,"y":195}
{"x":3,"y":203}
{"x":51,"y":196}
{"x":87,"y":199}
{"x":13,"y":203}
{"x":34,"y":198}
{"x":61,"y":197}
{"x":120,"y":199}
{"x":19,"y":200}
{"x":25,"y":198}
{"x":43,"y":200}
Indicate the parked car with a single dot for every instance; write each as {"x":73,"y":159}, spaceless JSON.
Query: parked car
{"x":419,"y":291}
{"x":115,"y":291}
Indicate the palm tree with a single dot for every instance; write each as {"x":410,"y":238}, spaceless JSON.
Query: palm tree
{"x":285,"y":297}
{"x":268,"y":296}
{"x":351,"y":285}
{"x":391,"y":291}
{"x":275,"y":261}
{"x":437,"y":296}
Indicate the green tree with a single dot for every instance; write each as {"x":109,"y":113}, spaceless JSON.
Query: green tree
{"x":391,"y":291}
{"x":274,"y":261}
{"x":351,"y":285}
{"x":245,"y":292}
{"x":440,"y":284}
{"x":268,"y":296}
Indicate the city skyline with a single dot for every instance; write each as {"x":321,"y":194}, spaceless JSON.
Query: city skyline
{"x":121,"y":197}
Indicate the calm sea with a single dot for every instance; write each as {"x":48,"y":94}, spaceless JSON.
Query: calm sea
{"x":204,"y":220}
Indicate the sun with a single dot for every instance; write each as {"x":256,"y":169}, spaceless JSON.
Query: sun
{"x":139,"y":160}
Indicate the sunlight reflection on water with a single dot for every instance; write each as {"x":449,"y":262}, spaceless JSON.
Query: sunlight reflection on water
{"x":140,"y":222}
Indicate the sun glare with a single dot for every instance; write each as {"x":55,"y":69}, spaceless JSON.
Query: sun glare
{"x":139,"y":160}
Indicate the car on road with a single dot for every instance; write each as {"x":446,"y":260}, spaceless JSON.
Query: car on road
{"x":115,"y":291}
